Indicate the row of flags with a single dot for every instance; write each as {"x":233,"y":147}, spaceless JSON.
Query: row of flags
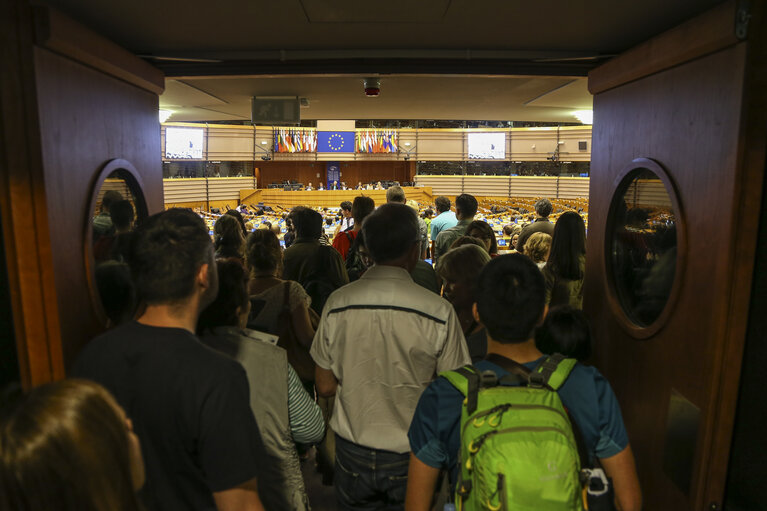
{"x":288,"y":140}
{"x":376,"y":141}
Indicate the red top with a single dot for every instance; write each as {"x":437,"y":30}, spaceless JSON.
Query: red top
{"x":343,"y":242}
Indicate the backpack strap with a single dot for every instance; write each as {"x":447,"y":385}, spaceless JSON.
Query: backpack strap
{"x":553,"y":371}
{"x":467,"y":380}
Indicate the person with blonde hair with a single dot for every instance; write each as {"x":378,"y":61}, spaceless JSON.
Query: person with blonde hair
{"x":68,"y":446}
{"x":537,"y":248}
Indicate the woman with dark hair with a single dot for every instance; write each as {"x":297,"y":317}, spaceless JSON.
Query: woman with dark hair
{"x":566,"y":265}
{"x":229,"y":241}
{"x":482,"y":230}
{"x":236,"y":214}
{"x":267,"y":291}
{"x":284,"y":411}
{"x":68,"y":446}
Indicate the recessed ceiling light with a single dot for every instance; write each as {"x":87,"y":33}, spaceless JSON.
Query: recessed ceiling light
{"x":585,"y":116}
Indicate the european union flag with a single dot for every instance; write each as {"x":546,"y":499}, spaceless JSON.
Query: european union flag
{"x":335,"y":141}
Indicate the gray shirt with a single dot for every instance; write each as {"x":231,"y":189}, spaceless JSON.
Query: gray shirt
{"x":385,"y":338}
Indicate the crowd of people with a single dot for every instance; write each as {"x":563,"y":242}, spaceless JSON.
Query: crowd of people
{"x":227,"y":360}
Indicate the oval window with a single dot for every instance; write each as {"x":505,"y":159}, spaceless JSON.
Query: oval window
{"x":643,"y":243}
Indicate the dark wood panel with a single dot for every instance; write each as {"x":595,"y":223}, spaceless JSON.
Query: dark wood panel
{"x":69,"y":38}
{"x":25,"y":229}
{"x":352,"y":172}
{"x":88,"y":118}
{"x":710,"y":32}
{"x":689,"y":120}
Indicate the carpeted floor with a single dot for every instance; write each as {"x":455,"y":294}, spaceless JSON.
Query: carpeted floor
{"x":321,"y":498}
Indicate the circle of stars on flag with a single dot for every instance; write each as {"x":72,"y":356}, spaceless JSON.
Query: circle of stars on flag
{"x":335,"y":138}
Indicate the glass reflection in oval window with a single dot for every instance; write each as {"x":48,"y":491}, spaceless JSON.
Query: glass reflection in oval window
{"x":118,"y":207}
{"x":643,"y":245}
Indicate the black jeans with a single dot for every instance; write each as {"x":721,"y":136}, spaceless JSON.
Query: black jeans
{"x":368,"y":478}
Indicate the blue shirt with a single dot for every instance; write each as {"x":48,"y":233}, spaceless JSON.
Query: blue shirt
{"x":443,"y":221}
{"x":435,"y":437}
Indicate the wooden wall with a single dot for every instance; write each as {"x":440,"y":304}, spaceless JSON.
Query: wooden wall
{"x":351,"y":171}
{"x":690,"y":100}
{"x":86,"y":102}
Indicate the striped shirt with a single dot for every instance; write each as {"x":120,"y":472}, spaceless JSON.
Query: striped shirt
{"x":306,"y":424}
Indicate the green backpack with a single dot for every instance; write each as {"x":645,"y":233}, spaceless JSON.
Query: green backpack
{"x":518,"y":448}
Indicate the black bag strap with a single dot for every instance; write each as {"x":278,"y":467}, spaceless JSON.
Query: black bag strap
{"x":520,"y":371}
{"x":472,"y":392}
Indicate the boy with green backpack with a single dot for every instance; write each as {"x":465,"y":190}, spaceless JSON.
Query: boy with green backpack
{"x":509,"y":428}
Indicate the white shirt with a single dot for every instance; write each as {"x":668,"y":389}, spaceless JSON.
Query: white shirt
{"x":385,"y":338}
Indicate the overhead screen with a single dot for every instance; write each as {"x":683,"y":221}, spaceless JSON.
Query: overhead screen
{"x":184,"y":143}
{"x":487,"y":146}
{"x":275,"y":110}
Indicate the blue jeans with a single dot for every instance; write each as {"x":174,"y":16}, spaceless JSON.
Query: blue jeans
{"x":368,"y":479}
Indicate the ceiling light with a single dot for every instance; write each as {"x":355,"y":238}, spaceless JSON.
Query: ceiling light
{"x":585,"y":116}
{"x":407,"y":144}
{"x":264,"y":142}
{"x":165,"y":115}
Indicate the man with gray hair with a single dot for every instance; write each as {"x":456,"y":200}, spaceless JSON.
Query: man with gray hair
{"x":380,"y":341}
{"x":395,"y":194}
{"x":543,"y":209}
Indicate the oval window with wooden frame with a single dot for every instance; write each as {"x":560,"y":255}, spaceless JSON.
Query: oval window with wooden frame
{"x":117,"y":206}
{"x":645,"y":247}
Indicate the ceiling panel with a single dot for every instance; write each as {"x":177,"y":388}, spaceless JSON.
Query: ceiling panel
{"x":402,"y":97}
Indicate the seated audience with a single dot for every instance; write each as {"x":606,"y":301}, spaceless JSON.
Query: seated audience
{"x":566,"y":264}
{"x":379,"y":342}
{"x":565,"y":330}
{"x":229,"y":241}
{"x":537,"y":248}
{"x":178,"y":392}
{"x":514,"y":283}
{"x":271,"y":295}
{"x":482,"y":230}
{"x":68,"y":446}
{"x":284,"y":411}
{"x":459,"y":270}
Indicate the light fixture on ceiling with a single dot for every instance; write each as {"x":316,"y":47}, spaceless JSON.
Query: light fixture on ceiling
{"x":165,"y":115}
{"x":585,"y":116}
